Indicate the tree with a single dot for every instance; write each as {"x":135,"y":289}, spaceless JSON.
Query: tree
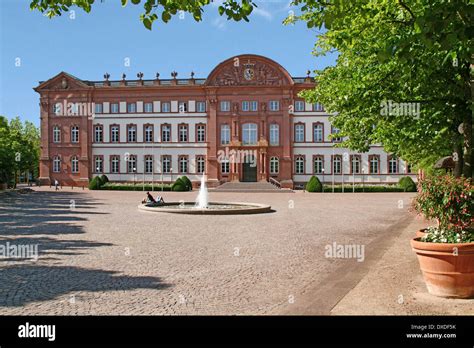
{"x":414,"y":51}
{"x":19,"y":149}
{"x":154,"y":10}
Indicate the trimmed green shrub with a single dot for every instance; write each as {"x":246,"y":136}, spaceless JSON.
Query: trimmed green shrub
{"x":314,"y":185}
{"x":187,"y":183}
{"x":104,"y":179}
{"x":407,"y":184}
{"x":179,"y":185}
{"x":95,"y":183}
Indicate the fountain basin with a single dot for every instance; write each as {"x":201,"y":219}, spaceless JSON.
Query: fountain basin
{"x":213,"y":208}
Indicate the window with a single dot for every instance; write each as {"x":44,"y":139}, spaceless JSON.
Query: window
{"x":408,"y":168}
{"x":318,"y":107}
{"x":355,"y":165}
{"x":182,"y":107}
{"x":98,"y":134}
{"x":56,"y":164}
{"x":131,"y":107}
{"x":201,"y":106}
{"x":225,"y":105}
{"x":148,"y":164}
{"x":115,"y":164}
{"x":149,"y":133}
{"x":98,"y":108}
{"x":166,"y":164}
{"x":200,"y":133}
{"x":114,"y":133}
{"x":183,"y":132}
{"x":249,"y":134}
{"x":166,"y":133}
{"x":98,"y":164}
{"x":74,"y":134}
{"x":337,"y":164}
{"x":165,"y":107}
{"x":253,"y":105}
{"x":131,"y":133}
{"x":299,"y":105}
{"x":56,"y":134}
{"x":299,"y":165}
{"x":114,"y":108}
{"x":225,"y":134}
{"x":318,"y":132}
{"x":183,"y":164}
{"x":392,"y":165}
{"x":299,"y":132}
{"x":132,"y":164}
{"x":245,"y":106}
{"x":274,"y":134}
{"x":373,"y":165}
{"x":148,"y":107}
{"x":274,"y":165}
{"x":225,"y":166}
{"x":336,"y":139}
{"x":200,"y":164}
{"x":318,"y":163}
{"x":274,"y":105}
{"x":74,"y":164}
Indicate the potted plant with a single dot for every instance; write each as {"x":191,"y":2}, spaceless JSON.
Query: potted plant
{"x":446,"y":252}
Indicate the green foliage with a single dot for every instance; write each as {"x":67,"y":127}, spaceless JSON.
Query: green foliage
{"x":95,"y":183}
{"x":104,"y":179}
{"x":19,"y":149}
{"x":179,"y":185}
{"x":154,"y":10}
{"x":407,"y":184}
{"x":188,"y":184}
{"x":314,"y":185}
{"x":126,"y":187}
{"x":407,"y":52}
{"x":363,"y":188}
{"x":447,"y":199}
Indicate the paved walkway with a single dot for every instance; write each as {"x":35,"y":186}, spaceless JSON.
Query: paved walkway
{"x":100,"y":255}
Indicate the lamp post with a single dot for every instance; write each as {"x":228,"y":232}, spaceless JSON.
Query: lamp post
{"x":363,"y":188}
{"x":97,"y":171}
{"x":134,"y":175}
{"x":171,"y":175}
{"x":323,"y":176}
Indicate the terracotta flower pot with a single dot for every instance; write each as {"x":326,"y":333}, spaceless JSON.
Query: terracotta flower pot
{"x":421,"y":233}
{"x":448,"y":268}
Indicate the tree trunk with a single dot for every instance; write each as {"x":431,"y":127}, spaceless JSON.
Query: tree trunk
{"x":457,"y":152}
{"x":467,"y":121}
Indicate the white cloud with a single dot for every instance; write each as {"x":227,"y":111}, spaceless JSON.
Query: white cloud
{"x":220,"y":23}
{"x":262,"y":13}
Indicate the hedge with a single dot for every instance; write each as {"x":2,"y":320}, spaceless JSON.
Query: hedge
{"x":127,"y":187}
{"x":366,"y":188}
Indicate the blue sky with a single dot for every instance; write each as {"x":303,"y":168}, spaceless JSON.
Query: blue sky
{"x":91,"y":44}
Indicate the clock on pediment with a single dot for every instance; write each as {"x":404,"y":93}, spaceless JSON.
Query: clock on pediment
{"x":249,"y":72}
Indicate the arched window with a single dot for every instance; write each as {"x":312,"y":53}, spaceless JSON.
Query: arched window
{"x":318,"y":132}
{"x":355,"y":165}
{"x":299,"y":165}
{"x":274,"y":165}
{"x":337,"y":164}
{"x":56,"y":164}
{"x":374,"y":164}
{"x":392,"y":165}
{"x":318,"y":164}
{"x":249,"y":134}
{"x":56,"y":134}
{"x":274,"y":134}
{"x":98,"y":133}
{"x":74,"y":164}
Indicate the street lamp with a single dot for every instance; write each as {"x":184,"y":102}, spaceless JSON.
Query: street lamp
{"x":323,"y":176}
{"x":97,"y":171}
{"x":363,"y":188}
{"x":134,"y":175}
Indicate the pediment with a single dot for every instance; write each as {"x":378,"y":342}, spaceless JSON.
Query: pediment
{"x":62,"y":82}
{"x":249,"y":70}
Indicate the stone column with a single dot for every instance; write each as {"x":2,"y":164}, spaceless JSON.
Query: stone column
{"x":286,"y":136}
{"x":45,"y":160}
{"x":212,"y":163}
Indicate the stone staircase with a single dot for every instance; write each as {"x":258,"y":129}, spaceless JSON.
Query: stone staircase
{"x":255,"y":187}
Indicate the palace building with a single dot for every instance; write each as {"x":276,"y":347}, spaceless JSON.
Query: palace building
{"x":244,"y":122}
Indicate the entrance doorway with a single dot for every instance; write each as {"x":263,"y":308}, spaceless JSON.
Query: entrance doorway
{"x":249,"y":169}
